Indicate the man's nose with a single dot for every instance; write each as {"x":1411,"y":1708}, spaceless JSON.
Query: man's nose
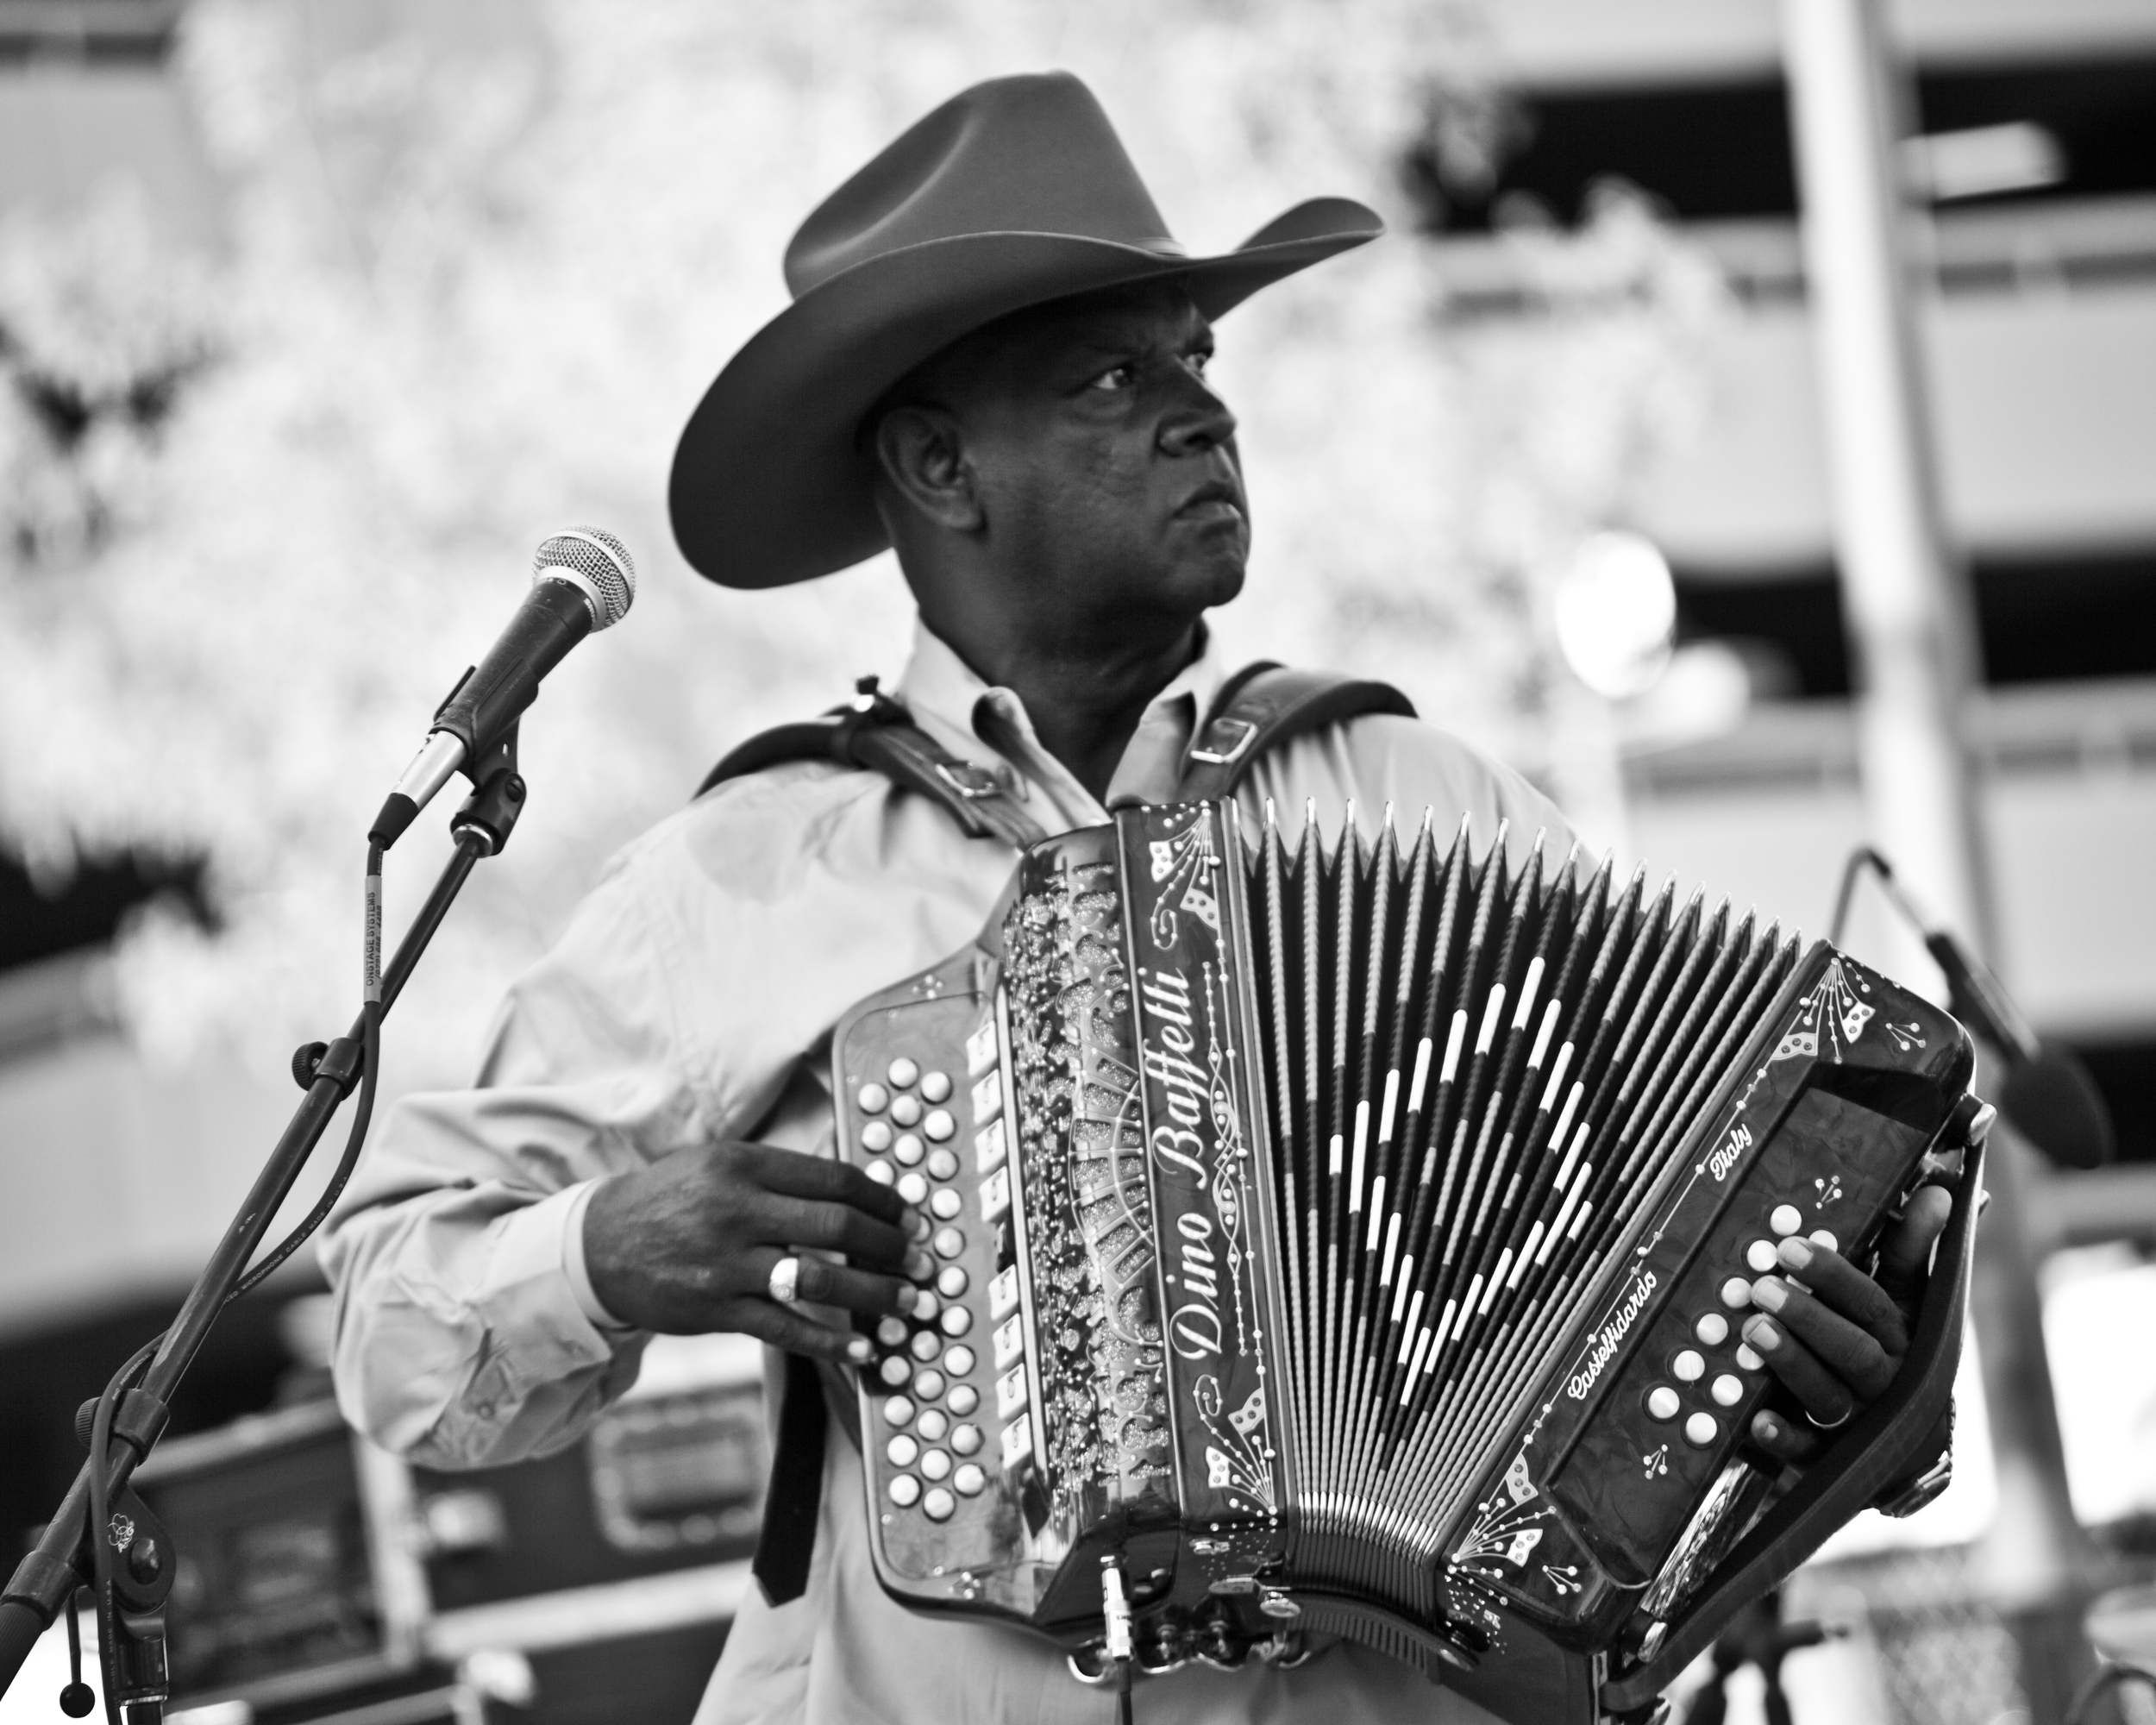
{"x":1198,"y":421}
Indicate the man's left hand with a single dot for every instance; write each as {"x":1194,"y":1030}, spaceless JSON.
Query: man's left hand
{"x":1834,"y":1336}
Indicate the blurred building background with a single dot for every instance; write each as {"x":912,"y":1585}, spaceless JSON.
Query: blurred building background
{"x":315,"y":316}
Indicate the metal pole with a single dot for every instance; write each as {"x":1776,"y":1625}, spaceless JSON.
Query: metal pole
{"x":1913,"y":634}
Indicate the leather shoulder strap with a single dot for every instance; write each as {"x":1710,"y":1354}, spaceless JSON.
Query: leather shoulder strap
{"x":876,"y":733}
{"x":1265,"y":705}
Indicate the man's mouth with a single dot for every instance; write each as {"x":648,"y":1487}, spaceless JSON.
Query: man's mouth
{"x":1216,"y":499}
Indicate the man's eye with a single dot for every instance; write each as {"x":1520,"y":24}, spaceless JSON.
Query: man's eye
{"x":1199,"y":361}
{"x":1121,"y":378}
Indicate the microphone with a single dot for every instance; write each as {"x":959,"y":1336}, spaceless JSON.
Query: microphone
{"x":582,"y":579}
{"x":2046,"y":1091}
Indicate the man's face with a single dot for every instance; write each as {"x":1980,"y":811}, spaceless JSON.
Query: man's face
{"x":1104,"y":465}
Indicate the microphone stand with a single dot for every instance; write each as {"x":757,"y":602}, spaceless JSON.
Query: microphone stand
{"x":131,"y":1564}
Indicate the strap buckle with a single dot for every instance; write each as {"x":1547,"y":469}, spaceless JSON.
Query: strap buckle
{"x":975,"y":783}
{"x":1219,"y":734}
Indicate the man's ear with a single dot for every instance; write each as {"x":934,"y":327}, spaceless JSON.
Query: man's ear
{"x":921,"y":453}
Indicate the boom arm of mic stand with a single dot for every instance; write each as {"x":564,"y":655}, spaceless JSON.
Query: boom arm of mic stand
{"x":46,"y":1578}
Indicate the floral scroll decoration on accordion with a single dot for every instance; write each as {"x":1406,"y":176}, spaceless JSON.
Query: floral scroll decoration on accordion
{"x":1833,"y":1017}
{"x":1180,"y":866}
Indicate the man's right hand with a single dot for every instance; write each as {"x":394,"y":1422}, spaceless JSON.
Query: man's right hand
{"x":686,"y":1244}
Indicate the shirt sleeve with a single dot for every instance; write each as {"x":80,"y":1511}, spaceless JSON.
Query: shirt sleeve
{"x":467,"y":1331}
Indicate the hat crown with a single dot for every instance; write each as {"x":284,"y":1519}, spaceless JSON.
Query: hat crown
{"x":1030,"y":154}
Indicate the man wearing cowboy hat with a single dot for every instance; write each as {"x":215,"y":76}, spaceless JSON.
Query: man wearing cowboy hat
{"x":995,"y":362}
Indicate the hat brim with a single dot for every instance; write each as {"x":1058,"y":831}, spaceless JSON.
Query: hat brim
{"x":767,"y":487}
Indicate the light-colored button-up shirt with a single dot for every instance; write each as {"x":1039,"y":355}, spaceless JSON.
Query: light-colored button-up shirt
{"x":691,"y":998}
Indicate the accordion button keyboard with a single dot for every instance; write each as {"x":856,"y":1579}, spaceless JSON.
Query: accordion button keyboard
{"x":942,"y":1165}
{"x":880,"y":1171}
{"x":894,"y":1371}
{"x":1746,"y":1358}
{"x":1825,"y":1236}
{"x":955,"y":1321}
{"x":948,"y":1242}
{"x":969,"y":1480}
{"x":1786,"y":1219}
{"x":936,"y":1087}
{"x":903,"y":1072}
{"x":1712,"y":1328}
{"x":1662,"y":1403}
{"x":897,"y":1410}
{"x":935,"y":1465}
{"x":1688,"y":1367}
{"x":966,"y":1441}
{"x":950,"y":1280}
{"x":901,"y":1450}
{"x":958,"y":1361}
{"x":905,"y":1490}
{"x":907,"y":1110}
{"x":945,"y":1204}
{"x":1762,"y":1255}
{"x":925,"y":1345}
{"x":874,"y":1099}
{"x":1003,"y":1295}
{"x":1736,"y":1293}
{"x":934,"y":1423}
{"x":876,"y":1135}
{"x":1727,"y":1391}
{"x":1700,"y":1429}
{"x":939,"y":1505}
{"x":928,"y":1385}
{"x":908,"y":1148}
{"x":964,"y":1398}
{"x":913,"y":1188}
{"x":939,"y":1126}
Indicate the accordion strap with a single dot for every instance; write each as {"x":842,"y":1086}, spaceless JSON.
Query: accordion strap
{"x":1265,"y":705}
{"x":1879,"y":1445}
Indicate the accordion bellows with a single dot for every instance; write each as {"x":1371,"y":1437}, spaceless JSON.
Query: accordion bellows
{"x":1353,"y":1238}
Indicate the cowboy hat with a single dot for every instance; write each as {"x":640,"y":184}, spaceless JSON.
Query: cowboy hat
{"x":1013,"y":192}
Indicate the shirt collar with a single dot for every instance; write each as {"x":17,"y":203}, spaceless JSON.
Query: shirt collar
{"x":989,"y":726}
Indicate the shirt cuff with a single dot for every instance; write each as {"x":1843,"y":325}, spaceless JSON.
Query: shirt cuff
{"x":572,"y":1267}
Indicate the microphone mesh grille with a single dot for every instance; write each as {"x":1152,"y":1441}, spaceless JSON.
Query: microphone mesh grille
{"x":599,"y":560}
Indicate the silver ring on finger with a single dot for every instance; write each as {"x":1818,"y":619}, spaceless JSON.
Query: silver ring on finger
{"x":785,"y":1280}
{"x":1831,"y":1425}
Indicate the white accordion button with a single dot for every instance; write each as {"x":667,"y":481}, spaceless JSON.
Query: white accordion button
{"x":989,"y":1149}
{"x":907,"y":1148}
{"x":950,"y":1280}
{"x":1712,"y":1328}
{"x":939,"y":1126}
{"x":1727,"y":1391}
{"x":942,"y":1165}
{"x":966,"y":1441}
{"x":876,"y":1136}
{"x":948,"y":1242}
{"x":1010,"y":1341}
{"x":969,"y":1480}
{"x":934,"y":1423}
{"x":1700,"y":1429}
{"x":894,"y":1371}
{"x":1003,"y":1293}
{"x":912,"y":1187}
{"x":1825,"y":1236}
{"x":1736,"y":1293}
{"x":936,"y":1087}
{"x":1786,"y":1219}
{"x":964,"y":1398}
{"x":927,"y":1382}
{"x":1688,"y":1367}
{"x":907,"y":1110}
{"x":1011,"y":1392}
{"x":987,"y":1099}
{"x":1018,"y":1444}
{"x":905,"y":1491}
{"x":995,"y":1195}
{"x":955,"y":1321}
{"x":925,"y":1345}
{"x":939,"y":1505}
{"x":873,"y":1097}
{"x":957,"y":1362}
{"x":880,"y":1171}
{"x":897,"y":1410}
{"x":903,"y":1072}
{"x":890,"y":1330}
{"x":945,"y":1204}
{"x":980,"y":1049}
{"x":901,"y":1450}
{"x":935,"y":1465}
{"x":1747,"y":1359}
{"x":1662,"y":1403}
{"x":1762,"y":1255}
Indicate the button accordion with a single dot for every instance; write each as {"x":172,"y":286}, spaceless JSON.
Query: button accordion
{"x":1351,"y":1240}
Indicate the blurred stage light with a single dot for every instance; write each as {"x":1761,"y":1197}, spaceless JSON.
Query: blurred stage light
{"x":1615,"y":611}
{"x":1982,"y":161}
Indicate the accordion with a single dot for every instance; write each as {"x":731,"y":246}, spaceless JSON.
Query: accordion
{"x":1351,"y":1240}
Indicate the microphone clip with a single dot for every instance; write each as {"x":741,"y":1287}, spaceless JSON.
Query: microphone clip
{"x":499,"y":797}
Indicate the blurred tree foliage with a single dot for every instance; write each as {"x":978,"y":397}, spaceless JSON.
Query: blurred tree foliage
{"x":483,"y":257}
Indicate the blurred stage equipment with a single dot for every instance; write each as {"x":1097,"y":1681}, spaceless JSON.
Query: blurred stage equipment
{"x":582,"y":580}
{"x":319,"y":1573}
{"x":2048,"y":1092}
{"x":1913,"y":632}
{"x":1759,"y":1638}
{"x":102,"y":1534}
{"x":1616,"y":613}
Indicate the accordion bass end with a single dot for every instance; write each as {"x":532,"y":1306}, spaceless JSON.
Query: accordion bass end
{"x":1353,"y":1239}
